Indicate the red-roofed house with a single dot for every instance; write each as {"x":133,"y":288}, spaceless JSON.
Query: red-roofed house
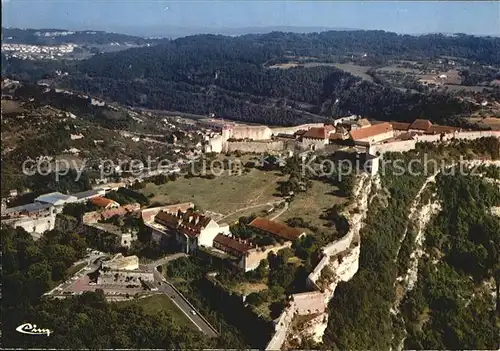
{"x":400,"y":127}
{"x":424,"y":126}
{"x":374,"y":133}
{"x":233,"y":246}
{"x":104,"y":202}
{"x":276,"y":229}
{"x":317,"y":137}
{"x":435,"y":129}
{"x":420,"y":126}
{"x":248,"y":256}
{"x":190,"y":229}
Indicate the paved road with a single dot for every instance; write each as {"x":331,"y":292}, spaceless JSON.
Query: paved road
{"x":178,"y":299}
{"x":166,"y":259}
{"x":185,"y":307}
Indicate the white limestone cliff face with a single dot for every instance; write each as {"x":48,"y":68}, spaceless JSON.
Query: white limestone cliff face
{"x":341,"y":256}
{"x":425,"y":215}
{"x":344,"y":272}
{"x":420,"y":215}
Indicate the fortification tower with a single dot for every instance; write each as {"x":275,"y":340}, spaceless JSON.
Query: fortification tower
{"x":226,"y":134}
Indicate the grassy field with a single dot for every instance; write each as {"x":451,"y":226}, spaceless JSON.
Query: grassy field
{"x":225,"y":194}
{"x":493,"y":123}
{"x":310,"y":205}
{"x":359,"y":71}
{"x":355,"y":70}
{"x":474,"y":88}
{"x":157,"y":303}
{"x":9,"y":106}
{"x":258,"y":210}
{"x":248,"y":288}
{"x":73,"y":269}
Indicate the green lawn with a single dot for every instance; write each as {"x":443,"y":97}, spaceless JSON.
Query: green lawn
{"x":224,"y":194}
{"x":310,"y":205}
{"x":157,"y":303}
{"x":73,"y":269}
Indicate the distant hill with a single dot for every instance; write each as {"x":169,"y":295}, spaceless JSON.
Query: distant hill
{"x":178,"y":32}
{"x":231,"y":76}
{"x":63,"y":36}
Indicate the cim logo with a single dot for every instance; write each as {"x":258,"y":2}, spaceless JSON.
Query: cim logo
{"x":31,"y":329}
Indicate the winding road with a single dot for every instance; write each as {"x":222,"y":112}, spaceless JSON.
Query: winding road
{"x":177,"y":298}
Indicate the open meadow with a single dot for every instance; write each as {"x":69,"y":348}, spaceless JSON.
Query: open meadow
{"x":225,"y":194}
{"x":312,"y":204}
{"x":160,"y":303}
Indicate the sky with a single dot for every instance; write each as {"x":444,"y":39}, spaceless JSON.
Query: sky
{"x":143,"y":16}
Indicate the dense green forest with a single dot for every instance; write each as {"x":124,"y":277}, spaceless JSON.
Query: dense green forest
{"x":360,"y":315}
{"x":230,"y":76}
{"x":452,"y":306}
{"x":33,"y":37}
{"x":31,"y":268}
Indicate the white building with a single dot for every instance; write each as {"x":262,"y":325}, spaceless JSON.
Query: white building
{"x":56,"y":199}
{"x":120,"y":262}
{"x":84,"y":196}
{"x":189,"y":229}
{"x":317,"y":138}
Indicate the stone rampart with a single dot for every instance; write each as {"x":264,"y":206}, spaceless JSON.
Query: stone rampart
{"x":255,"y":146}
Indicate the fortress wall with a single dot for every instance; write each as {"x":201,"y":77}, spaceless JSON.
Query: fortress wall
{"x":395,"y":146}
{"x":251,"y":132}
{"x":292,"y":130}
{"x":313,"y":277}
{"x":309,"y":302}
{"x":338,"y":246}
{"x":407,"y":145}
{"x":254,"y":146}
{"x":36,"y":226}
{"x":477,"y":135}
{"x":432,"y":138}
{"x":345,"y":266}
{"x":281,"y":327}
{"x":252,"y":261}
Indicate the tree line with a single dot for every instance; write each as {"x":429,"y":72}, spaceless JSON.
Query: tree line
{"x":231,"y":76}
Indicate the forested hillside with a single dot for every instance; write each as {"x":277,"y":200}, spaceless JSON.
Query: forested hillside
{"x":453,"y":304}
{"x":47,"y":37}
{"x":231,"y":76}
{"x":464,"y":239}
{"x":82,"y":322}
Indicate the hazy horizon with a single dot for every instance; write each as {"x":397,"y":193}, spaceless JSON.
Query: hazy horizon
{"x":174,"y":18}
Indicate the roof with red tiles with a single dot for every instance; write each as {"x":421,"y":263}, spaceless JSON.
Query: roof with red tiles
{"x":373,"y":130}
{"x":167,"y":219}
{"x":189,"y":222}
{"x":363,"y":122}
{"x":318,"y":132}
{"x":400,"y":125}
{"x":239,"y":246}
{"x":277,"y":229}
{"x":335,"y":136}
{"x":441,"y":129}
{"x":119,"y":211}
{"x":421,"y":124}
{"x":404,"y":136}
{"x":149,"y":213}
{"x":102,"y":201}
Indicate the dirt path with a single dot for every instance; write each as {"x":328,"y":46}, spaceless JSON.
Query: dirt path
{"x":271,"y":203}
